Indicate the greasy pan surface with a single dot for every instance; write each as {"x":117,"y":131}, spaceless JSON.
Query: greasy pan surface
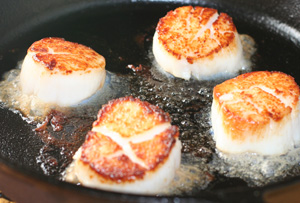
{"x":112,"y":29}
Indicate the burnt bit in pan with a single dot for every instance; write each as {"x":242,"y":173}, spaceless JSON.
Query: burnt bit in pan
{"x":61,"y":137}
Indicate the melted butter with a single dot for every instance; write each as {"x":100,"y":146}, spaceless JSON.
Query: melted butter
{"x":191,"y":177}
{"x":189,"y":105}
{"x":34,"y":109}
{"x":255,"y":169}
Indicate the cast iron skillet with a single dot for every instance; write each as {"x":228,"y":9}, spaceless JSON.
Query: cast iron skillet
{"x":108,"y":26}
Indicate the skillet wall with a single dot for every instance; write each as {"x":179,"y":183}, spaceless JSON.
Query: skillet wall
{"x":19,"y":17}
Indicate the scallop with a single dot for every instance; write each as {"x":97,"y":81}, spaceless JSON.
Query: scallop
{"x":197,"y":42}
{"x":256,"y":112}
{"x":61,"y":72}
{"x":131,"y":148}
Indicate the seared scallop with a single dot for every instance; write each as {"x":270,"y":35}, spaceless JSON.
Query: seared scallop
{"x":197,"y":42}
{"x":61,"y":72}
{"x":132,"y":148}
{"x":256,"y":112}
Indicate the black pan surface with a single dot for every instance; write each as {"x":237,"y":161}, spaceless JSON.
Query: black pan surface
{"x":122,"y":32}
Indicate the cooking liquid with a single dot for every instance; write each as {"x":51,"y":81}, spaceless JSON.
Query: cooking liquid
{"x":189,"y":104}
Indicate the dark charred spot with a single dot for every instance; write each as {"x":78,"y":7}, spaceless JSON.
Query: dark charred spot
{"x":277,"y":91}
{"x":51,"y":64}
{"x":39,"y":49}
{"x":56,"y":119}
{"x":69,"y":71}
{"x":190,"y":60}
{"x":135,"y":68}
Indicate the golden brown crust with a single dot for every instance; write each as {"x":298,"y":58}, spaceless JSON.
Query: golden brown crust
{"x":58,"y":54}
{"x":179,"y":31}
{"x":128,"y":117}
{"x":155,"y":151}
{"x":118,"y":168}
{"x":251,"y":101}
